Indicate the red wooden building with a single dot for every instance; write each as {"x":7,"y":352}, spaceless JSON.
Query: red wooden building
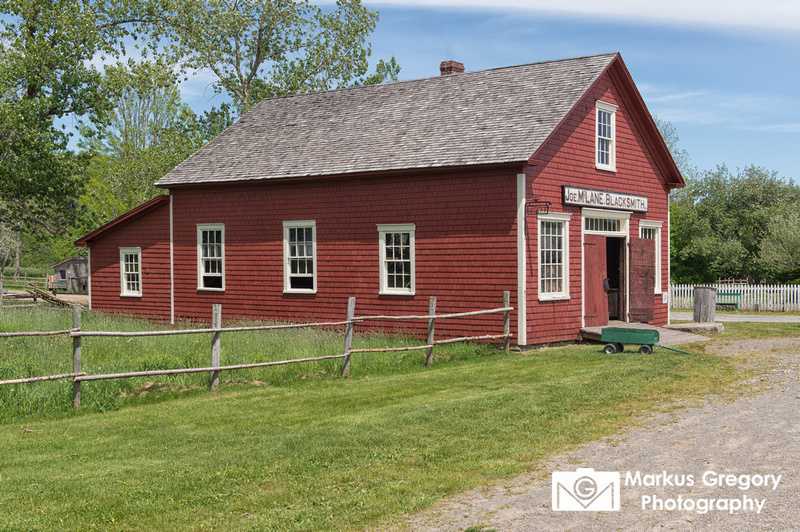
{"x":549,"y":180}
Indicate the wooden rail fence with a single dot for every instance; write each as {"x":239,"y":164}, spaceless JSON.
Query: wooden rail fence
{"x":216,"y":330}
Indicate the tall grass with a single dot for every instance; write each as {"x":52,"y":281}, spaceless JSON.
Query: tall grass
{"x":39,"y":356}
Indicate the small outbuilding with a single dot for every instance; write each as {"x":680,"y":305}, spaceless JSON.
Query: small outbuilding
{"x":71,"y":274}
{"x":549,"y":180}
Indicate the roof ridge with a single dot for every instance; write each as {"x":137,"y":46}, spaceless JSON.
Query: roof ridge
{"x":439,"y":76}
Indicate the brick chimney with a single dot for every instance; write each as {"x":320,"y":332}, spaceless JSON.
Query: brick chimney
{"x":451,"y":67}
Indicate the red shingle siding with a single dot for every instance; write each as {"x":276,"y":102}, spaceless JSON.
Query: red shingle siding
{"x":151,"y":234}
{"x":568,"y":158}
{"x":465,"y":246}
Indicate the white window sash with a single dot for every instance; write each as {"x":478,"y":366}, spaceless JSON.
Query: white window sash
{"x":130,"y":272}
{"x":292,"y":255}
{"x":394,"y":268}
{"x":556,"y":269}
{"x":211,"y":257}
{"x":605,"y":136}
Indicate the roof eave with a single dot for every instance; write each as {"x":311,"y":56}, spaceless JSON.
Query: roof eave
{"x":121,"y":220}
{"x":511,"y":164}
{"x":622,"y":78}
{"x":646,"y":125}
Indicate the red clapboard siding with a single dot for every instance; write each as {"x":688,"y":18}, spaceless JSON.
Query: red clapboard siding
{"x":151,"y":234}
{"x":465,"y":246}
{"x":567,"y":158}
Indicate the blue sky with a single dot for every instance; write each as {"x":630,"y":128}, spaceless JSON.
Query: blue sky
{"x":726,"y":73}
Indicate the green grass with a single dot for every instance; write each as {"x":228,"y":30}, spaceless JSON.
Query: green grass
{"x":39,"y":356}
{"x":310,"y":450}
{"x":759,"y":330}
{"x":747,"y":312}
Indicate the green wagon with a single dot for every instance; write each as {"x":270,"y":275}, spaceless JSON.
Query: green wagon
{"x":615,"y":337}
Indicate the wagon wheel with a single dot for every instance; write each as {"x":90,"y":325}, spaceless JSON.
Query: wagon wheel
{"x":610,"y":349}
{"x":645,"y":350}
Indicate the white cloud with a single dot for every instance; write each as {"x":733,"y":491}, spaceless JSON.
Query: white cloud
{"x":758,"y":112}
{"x":761,"y":14}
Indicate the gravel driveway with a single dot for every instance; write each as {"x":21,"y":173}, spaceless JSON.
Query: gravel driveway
{"x":754,"y":439}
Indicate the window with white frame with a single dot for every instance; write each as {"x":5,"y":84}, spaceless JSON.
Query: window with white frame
{"x":652,"y":230}
{"x":300,"y":257}
{"x":554,"y":256}
{"x":605,"y":222}
{"x":130,"y":269}
{"x":602,"y":225}
{"x":605,"y":147}
{"x":397,"y":259}
{"x":211,"y":256}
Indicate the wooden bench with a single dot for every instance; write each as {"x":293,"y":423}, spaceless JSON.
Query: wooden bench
{"x":731,"y":302}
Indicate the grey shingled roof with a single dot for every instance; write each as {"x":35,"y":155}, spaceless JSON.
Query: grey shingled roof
{"x":485,"y":117}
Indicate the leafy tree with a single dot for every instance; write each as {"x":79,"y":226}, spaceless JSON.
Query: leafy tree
{"x":9,"y":247}
{"x":50,"y":52}
{"x":46,"y":75}
{"x":720,"y":224}
{"x":670,"y":136}
{"x":265,"y":48}
{"x":148,"y":133}
{"x":780,"y":248}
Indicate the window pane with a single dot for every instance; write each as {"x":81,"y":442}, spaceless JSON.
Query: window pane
{"x":551,"y":252}
{"x":397,"y":268}
{"x":212,"y":282}
{"x":302,"y":283}
{"x":300,"y":258}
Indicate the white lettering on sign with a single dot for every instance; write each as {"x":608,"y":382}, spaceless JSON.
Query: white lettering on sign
{"x":603,"y":198}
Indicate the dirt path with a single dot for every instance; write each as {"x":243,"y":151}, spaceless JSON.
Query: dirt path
{"x":750,"y":438}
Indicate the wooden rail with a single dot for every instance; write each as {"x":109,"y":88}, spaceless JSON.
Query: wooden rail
{"x":39,"y":379}
{"x":216,"y":330}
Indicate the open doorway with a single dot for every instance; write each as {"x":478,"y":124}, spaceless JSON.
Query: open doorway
{"x":605,"y":267}
{"x":615,"y":272}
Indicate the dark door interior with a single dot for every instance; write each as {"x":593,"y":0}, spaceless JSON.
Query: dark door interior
{"x":615,"y":260}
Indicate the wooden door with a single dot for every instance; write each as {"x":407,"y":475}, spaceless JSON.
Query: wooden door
{"x":595,"y":301}
{"x":643,"y":279}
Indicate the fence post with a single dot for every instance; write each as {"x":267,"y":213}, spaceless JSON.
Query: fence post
{"x":431,"y":321}
{"x":506,"y":322}
{"x":76,"y":355}
{"x":348,"y":336}
{"x":216,"y":323}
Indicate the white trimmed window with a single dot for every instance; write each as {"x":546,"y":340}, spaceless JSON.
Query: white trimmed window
{"x":211,"y":257}
{"x":608,"y":223}
{"x":300,"y":257}
{"x":652,"y":230}
{"x":605,"y":140}
{"x":397,"y":259}
{"x":130,"y":269}
{"x":553,"y":256}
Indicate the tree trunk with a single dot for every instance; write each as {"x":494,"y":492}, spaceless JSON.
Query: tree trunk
{"x":16,"y":261}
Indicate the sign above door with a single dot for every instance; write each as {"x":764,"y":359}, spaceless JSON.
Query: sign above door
{"x":604,"y":199}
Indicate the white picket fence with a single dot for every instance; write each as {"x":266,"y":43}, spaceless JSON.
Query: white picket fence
{"x":761,"y":297}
